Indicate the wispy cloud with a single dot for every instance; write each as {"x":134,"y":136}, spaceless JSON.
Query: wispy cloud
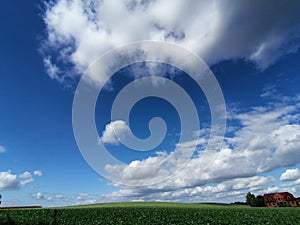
{"x":51,"y":69}
{"x":2,"y":149}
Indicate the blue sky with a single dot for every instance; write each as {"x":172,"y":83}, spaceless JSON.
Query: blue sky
{"x":47,"y":47}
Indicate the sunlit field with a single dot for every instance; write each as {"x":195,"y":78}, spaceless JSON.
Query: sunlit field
{"x":151,"y":213}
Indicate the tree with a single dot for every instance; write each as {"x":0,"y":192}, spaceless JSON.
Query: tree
{"x":255,"y":201}
{"x":250,"y":199}
{"x":260,"y":202}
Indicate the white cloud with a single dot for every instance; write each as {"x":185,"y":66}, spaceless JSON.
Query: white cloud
{"x":84,"y":198}
{"x":51,"y":69}
{"x":38,"y":196}
{"x":81,"y":30}
{"x":290,"y":174}
{"x":38,"y":173}
{"x":268,"y":138}
{"x":25,"y":178}
{"x":2,"y":149}
{"x":25,"y":175}
{"x":273,"y":189}
{"x":297,"y":182}
{"x":10,"y":181}
{"x":51,"y":199}
{"x":236,"y":188}
{"x":109,"y":134}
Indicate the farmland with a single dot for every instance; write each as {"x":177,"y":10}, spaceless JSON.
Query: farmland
{"x":151,"y":213}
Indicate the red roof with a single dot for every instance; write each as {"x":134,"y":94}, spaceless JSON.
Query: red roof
{"x":270,"y":197}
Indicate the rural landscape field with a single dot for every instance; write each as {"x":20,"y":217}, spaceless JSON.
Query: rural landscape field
{"x":151,"y":213}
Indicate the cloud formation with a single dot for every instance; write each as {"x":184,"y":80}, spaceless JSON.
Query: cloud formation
{"x":38,"y":173}
{"x":222,"y":192}
{"x":269,"y":138}
{"x":38,"y":196}
{"x":78,"y":31}
{"x":290,"y":174}
{"x":10,"y":181}
{"x":109,"y":134}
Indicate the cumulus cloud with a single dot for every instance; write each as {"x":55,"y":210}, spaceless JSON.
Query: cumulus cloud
{"x":290,"y":174}
{"x":269,"y":138}
{"x":109,"y":134}
{"x":237,"y":187}
{"x":80,"y":31}
{"x":10,"y":181}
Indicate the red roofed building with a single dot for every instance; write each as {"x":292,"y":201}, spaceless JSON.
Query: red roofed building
{"x":279,"y":199}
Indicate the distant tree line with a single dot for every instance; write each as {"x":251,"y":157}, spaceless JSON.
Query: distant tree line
{"x":238,"y":203}
{"x":255,"y":201}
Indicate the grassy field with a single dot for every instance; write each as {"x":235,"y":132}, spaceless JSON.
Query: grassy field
{"x":151,"y":213}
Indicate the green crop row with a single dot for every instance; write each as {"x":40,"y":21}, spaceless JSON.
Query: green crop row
{"x":151,"y":215}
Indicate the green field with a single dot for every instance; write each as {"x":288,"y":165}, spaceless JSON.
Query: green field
{"x":151,"y":213}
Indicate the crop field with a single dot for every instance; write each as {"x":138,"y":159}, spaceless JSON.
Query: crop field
{"x":151,"y":213}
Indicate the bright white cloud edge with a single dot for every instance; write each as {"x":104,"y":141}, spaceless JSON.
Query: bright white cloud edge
{"x":81,"y":31}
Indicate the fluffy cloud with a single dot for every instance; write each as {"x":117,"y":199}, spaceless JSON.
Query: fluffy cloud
{"x":38,"y":173}
{"x":297,"y":182}
{"x":10,"y":181}
{"x":279,"y":189}
{"x":38,"y":196}
{"x":80,"y":31}
{"x":2,"y":149}
{"x":49,"y":199}
{"x":52,"y":199}
{"x":268,"y":138}
{"x":235,"y":187}
{"x":109,"y":134}
{"x":290,"y":174}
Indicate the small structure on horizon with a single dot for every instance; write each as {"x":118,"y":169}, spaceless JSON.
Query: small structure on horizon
{"x":280,"y":199}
